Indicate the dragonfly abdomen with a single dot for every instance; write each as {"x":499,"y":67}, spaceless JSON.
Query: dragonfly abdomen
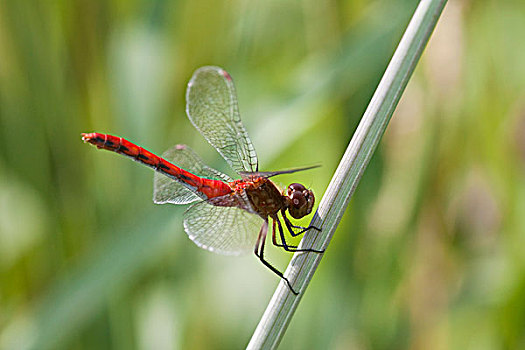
{"x":208,"y":187}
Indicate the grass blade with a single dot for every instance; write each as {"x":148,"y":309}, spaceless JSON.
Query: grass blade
{"x":283,"y":304}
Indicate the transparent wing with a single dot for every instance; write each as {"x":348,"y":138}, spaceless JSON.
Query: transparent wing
{"x":211,"y":105}
{"x":167,"y":190}
{"x":223,"y":230}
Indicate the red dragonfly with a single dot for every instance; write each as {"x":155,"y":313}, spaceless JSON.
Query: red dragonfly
{"x":228,"y":213}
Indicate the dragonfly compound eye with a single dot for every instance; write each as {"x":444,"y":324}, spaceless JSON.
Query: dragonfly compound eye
{"x":300,"y":200}
{"x":296,"y":187}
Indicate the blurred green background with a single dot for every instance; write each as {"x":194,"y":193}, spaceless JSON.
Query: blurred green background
{"x":431,"y":251}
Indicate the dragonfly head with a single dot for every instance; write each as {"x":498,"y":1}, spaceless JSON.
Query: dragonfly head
{"x":300,"y":200}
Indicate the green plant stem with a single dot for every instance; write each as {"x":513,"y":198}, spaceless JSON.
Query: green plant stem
{"x":283,"y":304}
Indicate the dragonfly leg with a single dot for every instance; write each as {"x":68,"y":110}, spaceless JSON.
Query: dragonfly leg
{"x":287,"y":247}
{"x":259,"y":252}
{"x":274,"y":239}
{"x":284,"y":244}
{"x":304,"y":229}
{"x":289,"y":226}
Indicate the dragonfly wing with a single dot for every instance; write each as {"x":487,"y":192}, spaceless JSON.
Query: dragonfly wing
{"x":223,"y":230}
{"x":167,"y":190}
{"x":211,"y":105}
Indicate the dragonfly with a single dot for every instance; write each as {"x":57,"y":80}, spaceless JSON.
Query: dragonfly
{"x":225,"y":214}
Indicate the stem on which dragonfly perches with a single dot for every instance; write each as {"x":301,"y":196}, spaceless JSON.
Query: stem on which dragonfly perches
{"x":300,"y":271}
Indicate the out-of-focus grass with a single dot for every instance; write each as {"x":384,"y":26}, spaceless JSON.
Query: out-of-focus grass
{"x":430,"y":254}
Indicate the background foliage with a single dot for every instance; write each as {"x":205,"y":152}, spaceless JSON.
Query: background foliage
{"x":429,"y":255}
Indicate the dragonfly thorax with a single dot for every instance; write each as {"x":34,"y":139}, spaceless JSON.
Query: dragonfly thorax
{"x":265,"y":197}
{"x":300,"y":200}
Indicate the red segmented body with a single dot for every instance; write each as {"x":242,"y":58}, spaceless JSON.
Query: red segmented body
{"x":210,"y":188}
